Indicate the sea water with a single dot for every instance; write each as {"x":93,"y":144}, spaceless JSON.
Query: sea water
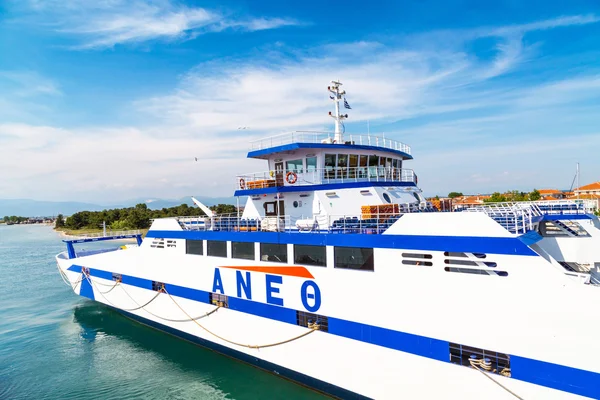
{"x":57,"y":345}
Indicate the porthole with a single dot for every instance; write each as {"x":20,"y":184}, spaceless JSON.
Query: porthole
{"x":387,"y":198}
{"x":295,"y":204}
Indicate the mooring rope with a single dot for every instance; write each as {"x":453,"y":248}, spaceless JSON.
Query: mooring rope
{"x":481,"y":363}
{"x":66,"y":279}
{"x":314,"y":327}
{"x":168,"y":319}
{"x":124,"y":309}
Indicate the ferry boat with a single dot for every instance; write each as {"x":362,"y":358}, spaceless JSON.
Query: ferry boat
{"x":339,"y":275}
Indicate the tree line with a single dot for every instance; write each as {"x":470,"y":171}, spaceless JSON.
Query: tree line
{"x":138,"y":217}
{"x":15,"y":219}
{"x":513,"y":195}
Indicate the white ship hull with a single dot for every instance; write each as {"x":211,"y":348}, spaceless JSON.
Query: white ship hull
{"x":388,"y":333}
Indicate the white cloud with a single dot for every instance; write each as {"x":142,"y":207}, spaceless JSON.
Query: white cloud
{"x":104,"y":24}
{"x":520,"y":133}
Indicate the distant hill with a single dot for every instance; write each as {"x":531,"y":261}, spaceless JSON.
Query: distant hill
{"x":37,"y":208}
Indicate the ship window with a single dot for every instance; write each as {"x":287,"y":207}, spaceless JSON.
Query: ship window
{"x":310,"y":255}
{"x":387,"y":198}
{"x":360,"y":258}
{"x":218,"y":299}
{"x":454,"y":254}
{"x":194,"y":247}
{"x":415,"y":262}
{"x":242,"y":250}
{"x":329,"y":166}
{"x":417,"y":255}
{"x":342,"y":166}
{"x":461,"y":355}
{"x":373,"y":164}
{"x":308,"y":319}
{"x":475,"y":271}
{"x":311,"y":164}
{"x":364,"y":161}
{"x":294,"y":166}
{"x":216,"y":248}
{"x":461,"y":262}
{"x":273,"y":252}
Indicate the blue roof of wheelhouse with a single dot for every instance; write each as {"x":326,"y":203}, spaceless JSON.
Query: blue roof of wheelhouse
{"x":265,"y":153}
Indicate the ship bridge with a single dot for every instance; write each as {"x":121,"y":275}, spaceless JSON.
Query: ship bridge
{"x":305,"y":160}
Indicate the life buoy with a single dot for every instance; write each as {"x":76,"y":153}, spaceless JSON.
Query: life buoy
{"x":272,"y":173}
{"x":242,"y":183}
{"x":291,"y":177}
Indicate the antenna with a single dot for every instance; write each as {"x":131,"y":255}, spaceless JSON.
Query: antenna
{"x":337,"y":96}
{"x":578,"y":191}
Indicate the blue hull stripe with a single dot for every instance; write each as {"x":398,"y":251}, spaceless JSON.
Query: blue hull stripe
{"x":568,"y":379}
{"x":303,"y":379}
{"x":474,"y":244}
{"x":264,"y":153}
{"x":324,"y":186}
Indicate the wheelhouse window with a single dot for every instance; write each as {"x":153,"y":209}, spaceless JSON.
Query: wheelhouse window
{"x":360,"y":258}
{"x":310,"y":255}
{"x":373,"y":164}
{"x":194,"y":247}
{"x":294,"y":166}
{"x":363,"y":164}
{"x":329,"y":166}
{"x":342,"y":164}
{"x":311,"y":164}
{"x":273,"y":252}
{"x":216,"y":248}
{"x":242,"y":250}
{"x":352,"y":166}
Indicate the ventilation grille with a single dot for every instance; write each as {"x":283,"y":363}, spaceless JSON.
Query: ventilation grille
{"x":158,"y":243}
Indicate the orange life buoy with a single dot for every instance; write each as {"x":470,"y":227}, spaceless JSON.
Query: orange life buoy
{"x":291,"y":177}
{"x":242,"y":183}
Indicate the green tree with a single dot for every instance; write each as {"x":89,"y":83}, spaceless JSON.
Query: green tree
{"x":495,"y":198}
{"x":454,"y":195}
{"x":60,"y":221}
{"x":535,"y":195}
{"x":224,"y":209}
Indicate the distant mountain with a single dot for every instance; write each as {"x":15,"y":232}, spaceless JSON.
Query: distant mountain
{"x":36,"y":208}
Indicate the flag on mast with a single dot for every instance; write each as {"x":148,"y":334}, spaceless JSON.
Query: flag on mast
{"x":347,"y":105}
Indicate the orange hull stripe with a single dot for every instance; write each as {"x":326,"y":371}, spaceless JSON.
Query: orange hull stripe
{"x":299,"y":272}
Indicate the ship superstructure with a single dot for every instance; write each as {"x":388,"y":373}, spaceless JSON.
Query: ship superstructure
{"x":338,"y":274}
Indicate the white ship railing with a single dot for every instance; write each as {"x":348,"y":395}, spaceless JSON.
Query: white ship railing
{"x":328,"y":137}
{"x":520,"y":217}
{"x":570,"y":206}
{"x":264,"y":179}
{"x":516,"y":217}
{"x":375,"y":223}
{"x":108,"y":233}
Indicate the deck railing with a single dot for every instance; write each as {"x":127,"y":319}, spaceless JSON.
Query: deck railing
{"x":328,"y":138}
{"x":520,"y":217}
{"x":108,"y":233}
{"x":374,"y":223}
{"x":264,"y":179}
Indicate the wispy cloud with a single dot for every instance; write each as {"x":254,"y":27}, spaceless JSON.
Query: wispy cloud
{"x":467,"y":118}
{"x":104,"y":24}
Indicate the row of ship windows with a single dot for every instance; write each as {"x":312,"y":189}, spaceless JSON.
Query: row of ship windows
{"x":360,"y":258}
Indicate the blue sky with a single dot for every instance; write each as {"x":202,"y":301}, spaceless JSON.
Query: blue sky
{"x":109,"y":100}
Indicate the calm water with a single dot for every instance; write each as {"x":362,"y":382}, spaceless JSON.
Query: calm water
{"x":56,"y":345}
